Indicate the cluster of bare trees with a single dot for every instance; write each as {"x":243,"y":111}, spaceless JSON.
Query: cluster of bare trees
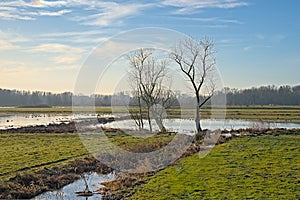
{"x":195,"y":59}
{"x":148,"y":79}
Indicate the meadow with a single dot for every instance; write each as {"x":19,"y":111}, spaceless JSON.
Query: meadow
{"x":265,"y":167}
{"x":28,"y":152}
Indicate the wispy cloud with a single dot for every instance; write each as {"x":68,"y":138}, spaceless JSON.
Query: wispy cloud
{"x":95,"y":13}
{"x":209,"y":20}
{"x":10,"y":41}
{"x":52,"y":14}
{"x":75,"y":33}
{"x":251,"y":47}
{"x":192,"y":6}
{"x":108,"y":13}
{"x":6,"y":45}
{"x":59,"y":54}
{"x":21,"y":10}
{"x":55,"y":48}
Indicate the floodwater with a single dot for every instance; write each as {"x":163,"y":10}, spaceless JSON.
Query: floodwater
{"x":21,"y":120}
{"x":68,"y":192}
{"x":177,"y":125}
{"x":187,"y":126}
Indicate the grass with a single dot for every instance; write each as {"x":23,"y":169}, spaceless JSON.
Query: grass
{"x":31,"y":152}
{"x":265,"y":167}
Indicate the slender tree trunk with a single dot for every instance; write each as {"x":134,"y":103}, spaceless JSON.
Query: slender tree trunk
{"x":141,"y":115}
{"x":197,"y":119}
{"x":149,"y":120}
{"x":160,"y":124}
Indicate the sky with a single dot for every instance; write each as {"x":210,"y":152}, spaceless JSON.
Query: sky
{"x":45,"y":43}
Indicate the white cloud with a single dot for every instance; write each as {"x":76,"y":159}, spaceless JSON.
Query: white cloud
{"x":66,"y":59}
{"x":6,"y":45}
{"x":67,"y":34}
{"x":62,"y":67}
{"x":53,"y":14}
{"x":10,"y":40}
{"x":98,"y":13}
{"x":192,"y":6}
{"x":109,"y":13}
{"x":59,"y":54}
{"x":55,"y":48}
{"x":251,"y":47}
{"x":21,"y":10}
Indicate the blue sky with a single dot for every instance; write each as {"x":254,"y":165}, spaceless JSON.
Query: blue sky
{"x":43,"y":44}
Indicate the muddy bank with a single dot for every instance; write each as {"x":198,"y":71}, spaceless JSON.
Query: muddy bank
{"x":51,"y":128}
{"x":29,"y":185}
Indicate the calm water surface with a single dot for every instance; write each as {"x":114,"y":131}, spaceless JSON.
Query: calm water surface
{"x":69,"y":191}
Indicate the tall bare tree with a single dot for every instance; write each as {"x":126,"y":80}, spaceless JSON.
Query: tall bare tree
{"x":196,"y":60}
{"x":147,"y":78}
{"x":137,"y":62}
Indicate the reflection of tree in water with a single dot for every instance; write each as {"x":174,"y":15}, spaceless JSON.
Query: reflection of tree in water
{"x":86,"y":192}
{"x":85,"y":179}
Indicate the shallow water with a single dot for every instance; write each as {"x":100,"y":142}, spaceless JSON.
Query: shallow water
{"x":188,"y":125}
{"x":21,"y":120}
{"x":69,"y":191}
{"x":176,"y":125}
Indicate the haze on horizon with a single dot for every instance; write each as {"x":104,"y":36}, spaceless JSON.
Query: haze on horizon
{"x":43,"y":44}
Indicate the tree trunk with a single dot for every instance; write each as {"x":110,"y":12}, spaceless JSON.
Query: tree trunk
{"x":149,"y":120}
{"x":141,"y":115}
{"x":160,"y":124}
{"x":197,"y":119}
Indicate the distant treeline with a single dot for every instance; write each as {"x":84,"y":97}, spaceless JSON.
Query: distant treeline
{"x":266,"y":95}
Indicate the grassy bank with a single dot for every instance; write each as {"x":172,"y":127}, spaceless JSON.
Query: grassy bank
{"x":265,"y":167}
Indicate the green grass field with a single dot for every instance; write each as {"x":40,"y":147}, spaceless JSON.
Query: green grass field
{"x":30,"y":152}
{"x":266,"y":167}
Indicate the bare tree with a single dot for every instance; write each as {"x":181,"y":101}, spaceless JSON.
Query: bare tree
{"x":196,"y":60}
{"x":147,"y":77}
{"x":137,"y":61}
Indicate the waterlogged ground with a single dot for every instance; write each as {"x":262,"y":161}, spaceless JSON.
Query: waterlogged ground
{"x":69,"y":191}
{"x":265,"y":167}
{"x":17,"y":117}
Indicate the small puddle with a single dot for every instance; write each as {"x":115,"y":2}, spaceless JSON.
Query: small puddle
{"x":68,"y":192}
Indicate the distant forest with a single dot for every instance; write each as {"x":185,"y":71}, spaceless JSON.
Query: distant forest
{"x":266,"y":95}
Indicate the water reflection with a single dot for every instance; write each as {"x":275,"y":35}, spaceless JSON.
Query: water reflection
{"x":176,"y":125}
{"x":21,"y":120}
{"x":69,"y":191}
{"x":187,"y":126}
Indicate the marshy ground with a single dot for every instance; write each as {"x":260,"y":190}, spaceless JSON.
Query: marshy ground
{"x":262,"y":167}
